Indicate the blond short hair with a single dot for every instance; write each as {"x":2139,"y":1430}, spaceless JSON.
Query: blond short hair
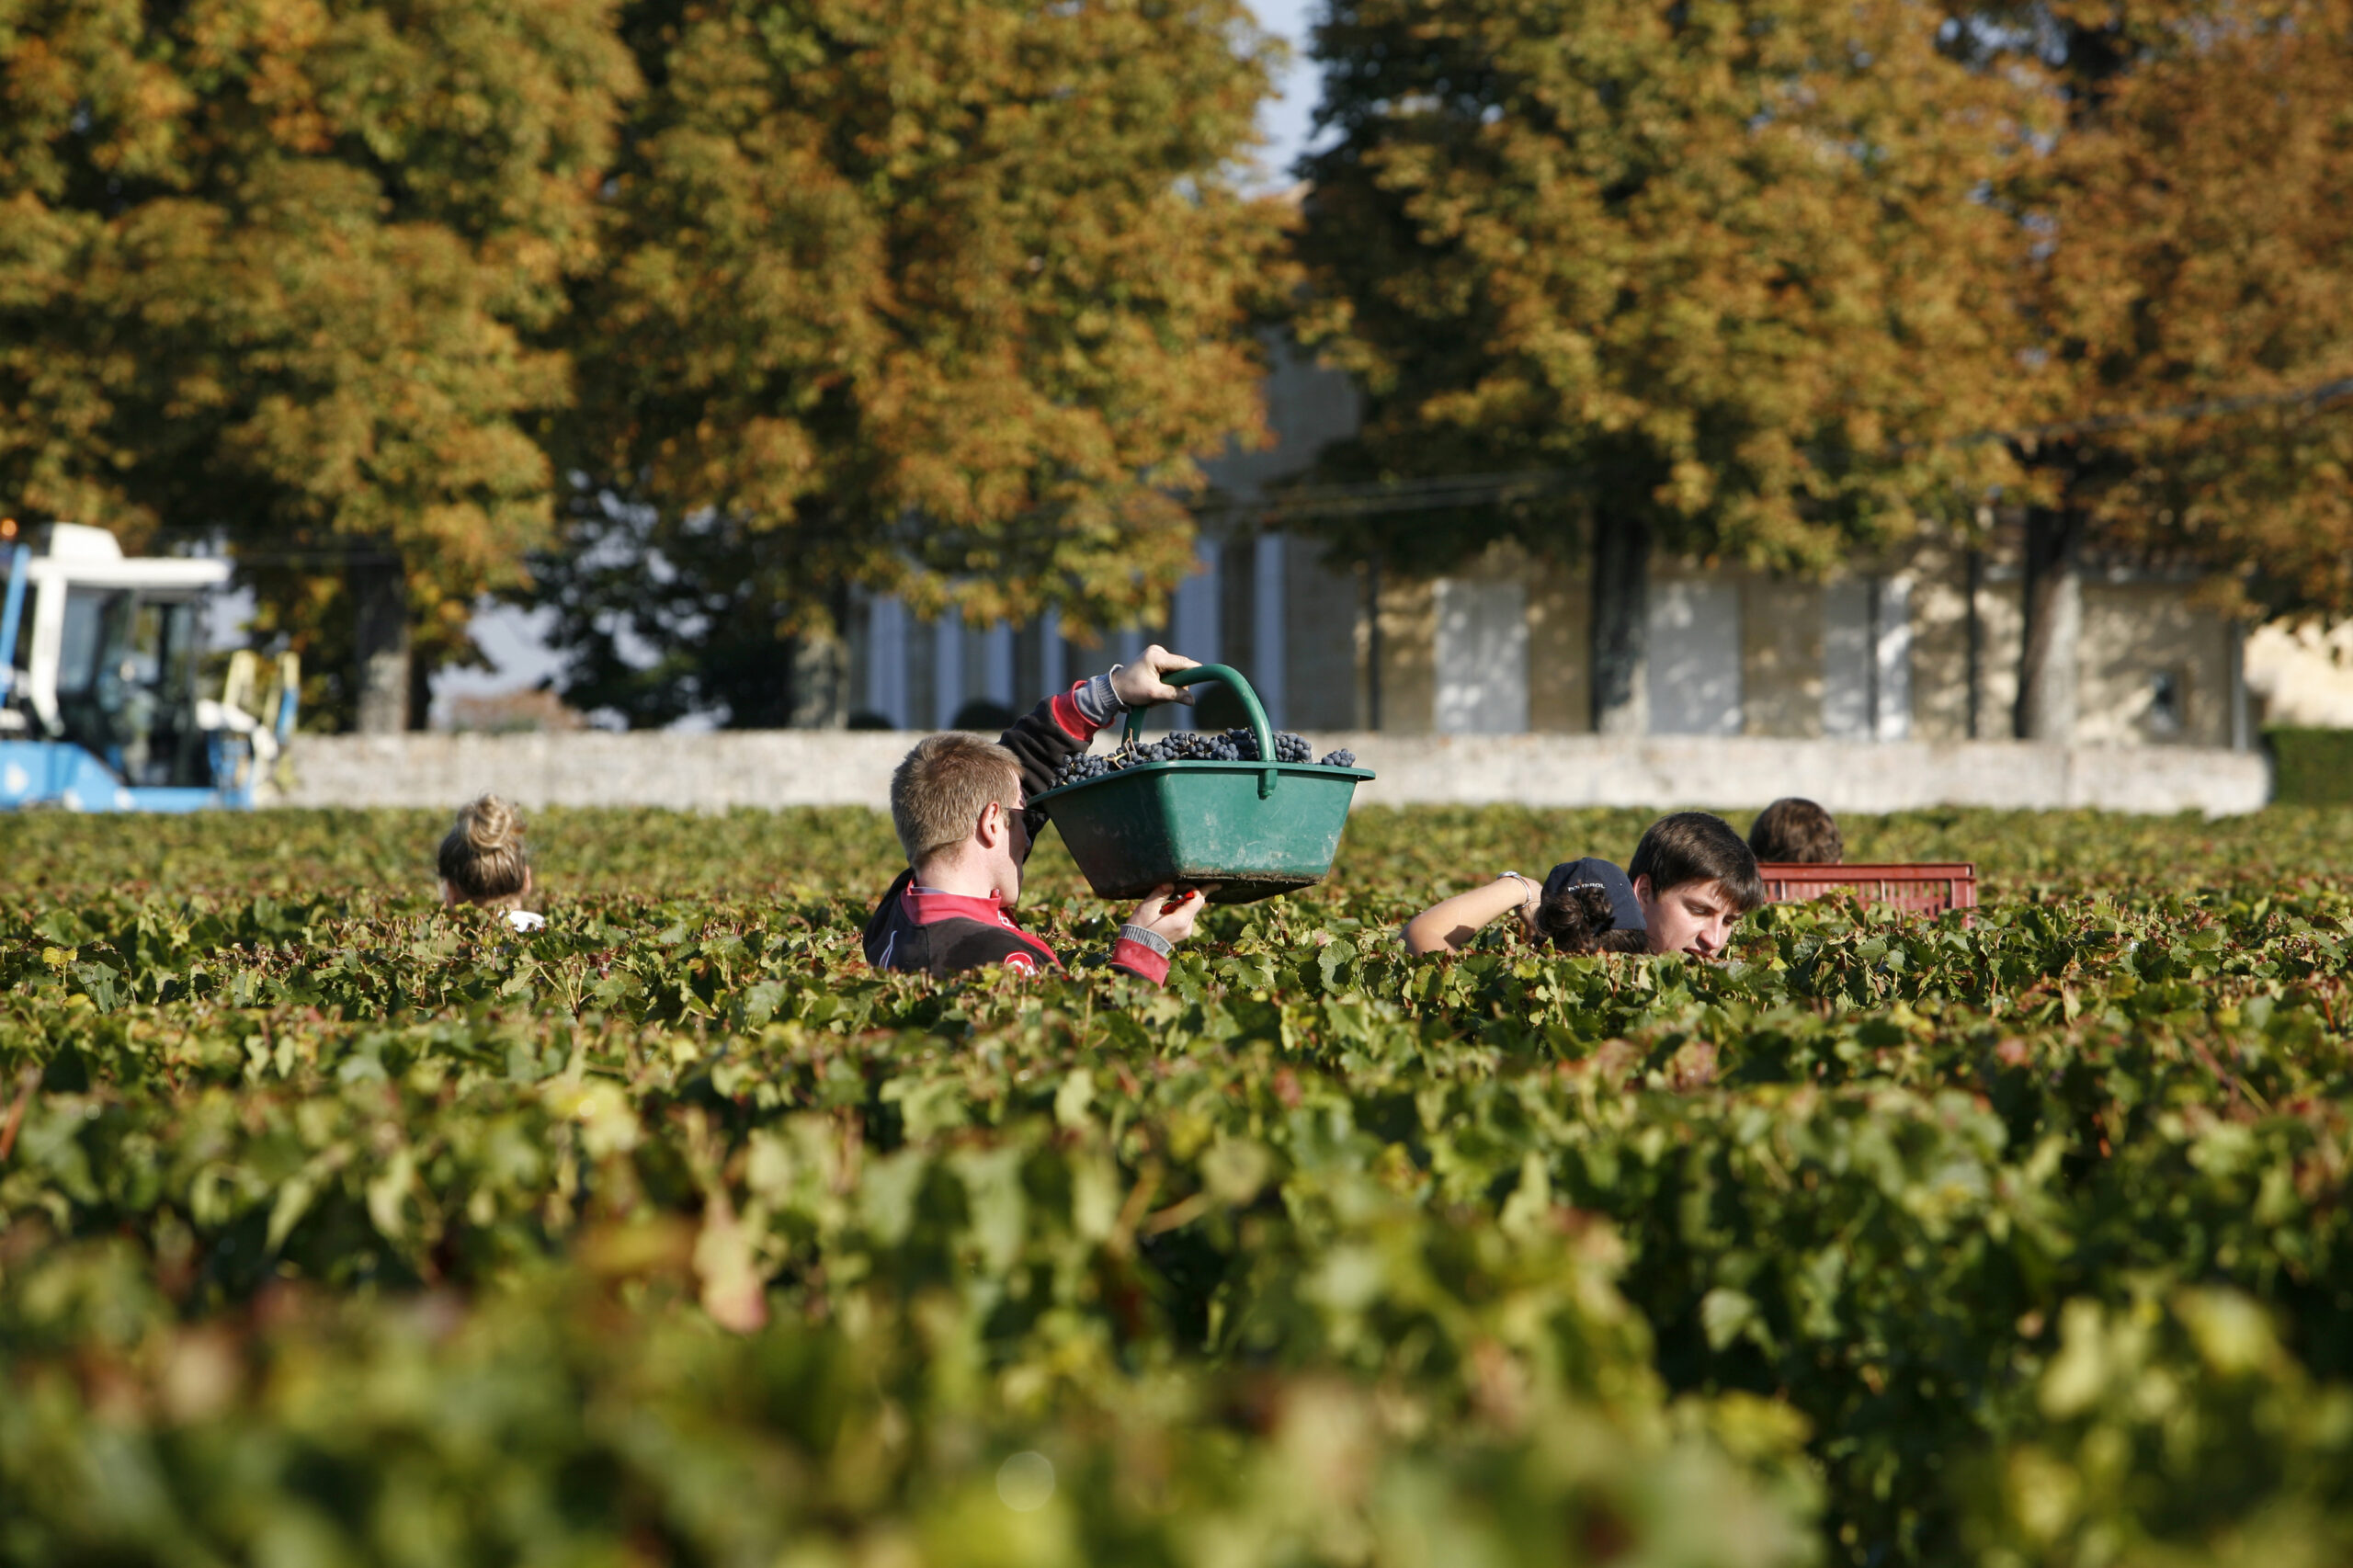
{"x":482,"y":859}
{"x":943,"y":785}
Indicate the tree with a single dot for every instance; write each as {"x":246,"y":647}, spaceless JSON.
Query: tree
{"x":280,"y":272}
{"x":2193,"y":250}
{"x":1726,"y":265}
{"x":936,"y":297}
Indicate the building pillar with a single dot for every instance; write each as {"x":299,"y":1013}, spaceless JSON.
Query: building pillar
{"x":1892,"y":658}
{"x":1268,"y":624}
{"x":998,"y":649}
{"x":948,"y":669}
{"x":1192,"y":622}
{"x":1050,"y":676}
{"x":886,"y":659}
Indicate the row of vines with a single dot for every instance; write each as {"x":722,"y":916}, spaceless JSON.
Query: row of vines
{"x":338,"y":1228}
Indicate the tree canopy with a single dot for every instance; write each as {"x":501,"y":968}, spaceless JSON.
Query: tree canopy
{"x":1720,"y":259}
{"x":709,"y":312}
{"x":938,"y":298}
{"x":283,"y":271}
{"x":2191,"y":248}
{"x":1726,"y":265}
{"x":1759,"y":278}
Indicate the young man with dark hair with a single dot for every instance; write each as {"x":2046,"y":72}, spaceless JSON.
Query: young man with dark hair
{"x":1793,"y":831}
{"x":961,"y":808}
{"x":1690,"y":880}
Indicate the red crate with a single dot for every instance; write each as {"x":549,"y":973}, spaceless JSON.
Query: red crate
{"x":1930,"y":887}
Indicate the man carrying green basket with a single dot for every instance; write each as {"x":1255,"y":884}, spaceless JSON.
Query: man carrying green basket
{"x":961,"y":808}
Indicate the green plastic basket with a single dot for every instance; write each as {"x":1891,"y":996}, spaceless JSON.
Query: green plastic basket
{"x":1253,"y":828}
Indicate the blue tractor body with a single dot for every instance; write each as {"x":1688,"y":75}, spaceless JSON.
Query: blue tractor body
{"x":98,"y":704}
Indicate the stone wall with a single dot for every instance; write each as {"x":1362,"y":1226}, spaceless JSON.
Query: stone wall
{"x":783,"y":768}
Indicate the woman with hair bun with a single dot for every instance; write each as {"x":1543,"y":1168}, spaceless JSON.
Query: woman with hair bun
{"x":483,"y":862}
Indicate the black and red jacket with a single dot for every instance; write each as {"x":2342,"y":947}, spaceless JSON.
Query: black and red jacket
{"x":927,"y":931}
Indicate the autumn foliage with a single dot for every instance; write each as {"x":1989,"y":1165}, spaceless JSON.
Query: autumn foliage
{"x":706,"y":311}
{"x":1782,"y":281}
{"x":2200,"y":205}
{"x":286,"y":271}
{"x":1719,"y":261}
{"x":938,"y":298}
{"x":941,"y":296}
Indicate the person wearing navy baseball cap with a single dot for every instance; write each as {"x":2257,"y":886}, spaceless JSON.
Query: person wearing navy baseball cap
{"x":1690,"y":881}
{"x":1590,"y":906}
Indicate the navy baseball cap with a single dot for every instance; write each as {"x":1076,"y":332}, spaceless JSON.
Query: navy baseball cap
{"x":1625,"y":909}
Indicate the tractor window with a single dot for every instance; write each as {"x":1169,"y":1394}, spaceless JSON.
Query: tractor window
{"x":93,"y":621}
{"x":126,"y":686}
{"x":161,"y":652}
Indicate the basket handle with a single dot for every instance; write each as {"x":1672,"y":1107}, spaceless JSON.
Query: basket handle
{"x":1259,"y":728}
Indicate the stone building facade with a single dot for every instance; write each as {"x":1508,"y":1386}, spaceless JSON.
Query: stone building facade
{"x":1923,"y":645}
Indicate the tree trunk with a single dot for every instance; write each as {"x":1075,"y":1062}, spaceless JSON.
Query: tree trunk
{"x":2047,"y":657}
{"x":381,"y":648}
{"x":1621,"y":576}
{"x":819,"y":671}
{"x":420,"y":693}
{"x":819,"y":677}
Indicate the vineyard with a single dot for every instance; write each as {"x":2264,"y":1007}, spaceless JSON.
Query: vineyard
{"x":335,"y":1228}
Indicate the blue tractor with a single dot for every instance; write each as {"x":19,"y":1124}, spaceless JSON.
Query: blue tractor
{"x":98,"y":704}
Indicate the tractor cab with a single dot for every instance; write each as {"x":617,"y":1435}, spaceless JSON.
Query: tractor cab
{"x":98,"y":675}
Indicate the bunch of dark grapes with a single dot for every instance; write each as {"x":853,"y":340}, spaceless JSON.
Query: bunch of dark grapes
{"x":1083,"y":767}
{"x":1197,"y":745}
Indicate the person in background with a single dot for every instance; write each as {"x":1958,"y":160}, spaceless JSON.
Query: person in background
{"x":1796,"y":832}
{"x":961,"y":808}
{"x":483,"y":863}
{"x":1690,"y":881}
